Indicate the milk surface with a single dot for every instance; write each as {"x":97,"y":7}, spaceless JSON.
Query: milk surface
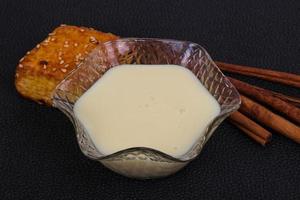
{"x":164,"y":107}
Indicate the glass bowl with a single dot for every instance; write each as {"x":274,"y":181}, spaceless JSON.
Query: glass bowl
{"x":141,"y":162}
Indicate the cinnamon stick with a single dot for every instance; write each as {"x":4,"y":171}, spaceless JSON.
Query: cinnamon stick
{"x":252,"y":135}
{"x":270,"y":75}
{"x":251,"y":128}
{"x":292,"y":100}
{"x":267,"y":97}
{"x":270,"y":119}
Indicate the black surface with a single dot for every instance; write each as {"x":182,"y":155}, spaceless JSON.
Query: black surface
{"x":39,"y":156}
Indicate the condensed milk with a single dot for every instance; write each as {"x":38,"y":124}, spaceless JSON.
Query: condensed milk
{"x":163,"y":107}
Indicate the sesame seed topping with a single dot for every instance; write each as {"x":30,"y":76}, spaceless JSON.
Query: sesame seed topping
{"x":61,"y":62}
{"x":66,"y":66}
{"x":66,"y":45}
{"x":54,"y":69}
{"x":21,"y":66}
{"x":66,"y":42}
{"x":17,"y":75}
{"x":28,"y":52}
{"x":21,"y":59}
{"x":59,"y":58}
{"x":60,"y":53}
{"x":77,"y":56}
{"x":38,"y":46}
{"x":44,"y":66}
{"x":63,"y":70}
{"x":81,"y":30}
{"x":93,"y":39}
{"x":63,"y":25}
{"x":53,"y":33}
{"x":85,"y":46}
{"x":75,"y":44}
{"x":52,"y":39}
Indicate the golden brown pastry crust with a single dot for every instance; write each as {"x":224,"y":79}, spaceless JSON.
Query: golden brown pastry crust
{"x":42,"y":68}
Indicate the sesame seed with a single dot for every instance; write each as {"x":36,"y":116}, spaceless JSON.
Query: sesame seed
{"x":44,"y":66}
{"x":54,"y":69}
{"x":63,"y":70}
{"x":17,"y":75}
{"x":77,"y":56}
{"x":85,"y":46}
{"x":53,"y":33}
{"x":66,"y":45}
{"x":75,"y":44}
{"x":93,"y":39}
{"x":21,"y":59}
{"x":21,"y":66}
{"x":28,"y":52}
{"x":61,"y":62}
{"x":52,"y":39}
{"x":59,"y":58}
{"x":66,"y":42}
{"x":63,"y":25}
{"x":81,"y":30}
{"x":60,"y":53}
{"x":38,"y":46}
{"x":66,"y":66}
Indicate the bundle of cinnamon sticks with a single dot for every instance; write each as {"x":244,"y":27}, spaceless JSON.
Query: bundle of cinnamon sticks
{"x":254,"y":118}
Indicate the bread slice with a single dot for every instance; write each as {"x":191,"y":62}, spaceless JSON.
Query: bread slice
{"x":42,"y":68}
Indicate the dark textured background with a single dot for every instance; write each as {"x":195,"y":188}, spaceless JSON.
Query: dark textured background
{"x":39,"y":156}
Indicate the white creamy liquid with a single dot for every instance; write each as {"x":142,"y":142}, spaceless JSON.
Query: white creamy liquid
{"x":164,"y":107}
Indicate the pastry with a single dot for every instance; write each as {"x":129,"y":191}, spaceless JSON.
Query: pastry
{"x":42,"y":68}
